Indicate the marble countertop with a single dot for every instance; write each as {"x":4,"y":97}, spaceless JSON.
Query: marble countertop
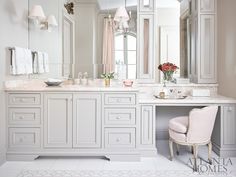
{"x":145,"y":96}
{"x":67,"y":88}
{"x":216,"y":99}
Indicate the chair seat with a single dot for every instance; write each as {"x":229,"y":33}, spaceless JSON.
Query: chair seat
{"x":180,"y":137}
{"x":179,"y":124}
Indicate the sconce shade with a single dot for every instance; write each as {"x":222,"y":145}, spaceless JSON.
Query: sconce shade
{"x":121,"y":15}
{"x":37,"y":13}
{"x":52,"y":21}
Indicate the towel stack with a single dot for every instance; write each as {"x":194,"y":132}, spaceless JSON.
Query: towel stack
{"x":24,"y":63}
{"x":21,"y":61}
{"x":41,"y":63}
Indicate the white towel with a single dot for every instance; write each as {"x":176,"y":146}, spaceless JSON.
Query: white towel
{"x":45,"y":62}
{"x":38,"y":63}
{"x":28,"y":62}
{"x":21,"y":61}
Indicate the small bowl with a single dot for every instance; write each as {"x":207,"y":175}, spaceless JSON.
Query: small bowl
{"x":52,"y":84}
{"x":128,"y":83}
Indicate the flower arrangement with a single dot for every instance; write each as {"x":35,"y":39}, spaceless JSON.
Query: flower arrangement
{"x":168,"y":70}
{"x":107,"y":77}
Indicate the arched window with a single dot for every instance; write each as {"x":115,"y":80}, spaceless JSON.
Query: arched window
{"x":125,"y":55}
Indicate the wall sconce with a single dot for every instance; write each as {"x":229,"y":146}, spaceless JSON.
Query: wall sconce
{"x":45,"y":23}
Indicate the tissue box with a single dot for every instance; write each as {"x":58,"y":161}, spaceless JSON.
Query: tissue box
{"x":201,"y":93}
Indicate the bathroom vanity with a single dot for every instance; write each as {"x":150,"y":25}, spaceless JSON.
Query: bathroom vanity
{"x":116,"y":122}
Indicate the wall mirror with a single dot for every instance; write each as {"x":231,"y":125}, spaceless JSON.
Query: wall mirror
{"x":133,"y":45}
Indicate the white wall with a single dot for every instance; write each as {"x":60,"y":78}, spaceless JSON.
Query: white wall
{"x":13,"y":32}
{"x":227,"y":47}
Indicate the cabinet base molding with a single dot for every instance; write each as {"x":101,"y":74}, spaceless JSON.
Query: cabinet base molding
{"x":25,"y":157}
{"x":148,"y":152}
{"x":2,"y":158}
{"x":124,"y":158}
{"x":224,"y":152}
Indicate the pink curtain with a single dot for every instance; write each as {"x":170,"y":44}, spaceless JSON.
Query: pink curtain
{"x":108,"y":46}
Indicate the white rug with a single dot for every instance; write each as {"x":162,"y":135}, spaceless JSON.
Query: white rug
{"x":111,"y":173}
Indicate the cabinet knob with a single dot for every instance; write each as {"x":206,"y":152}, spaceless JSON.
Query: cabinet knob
{"x":21,"y":140}
{"x":118,"y":140}
{"x":21,"y":117}
{"x":118,"y":118}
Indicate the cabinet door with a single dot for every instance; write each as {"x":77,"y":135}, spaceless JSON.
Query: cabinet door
{"x":229,"y":126}
{"x":58,"y":120}
{"x":207,"y":6}
{"x":146,"y":53}
{"x":207,"y":73}
{"x":87,"y":120}
{"x":147,"y":125}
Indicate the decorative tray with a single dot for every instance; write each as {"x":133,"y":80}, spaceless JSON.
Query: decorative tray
{"x":168,"y":97}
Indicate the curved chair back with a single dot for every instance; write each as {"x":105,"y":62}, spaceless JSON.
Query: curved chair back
{"x":201,"y":124}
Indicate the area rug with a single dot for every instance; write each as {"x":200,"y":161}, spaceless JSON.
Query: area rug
{"x":122,"y":173}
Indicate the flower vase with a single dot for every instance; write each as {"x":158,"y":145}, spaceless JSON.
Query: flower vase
{"x":167,"y":77}
{"x":107,"y":82}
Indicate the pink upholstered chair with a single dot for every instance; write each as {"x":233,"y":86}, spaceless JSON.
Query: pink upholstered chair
{"x":193,"y":130}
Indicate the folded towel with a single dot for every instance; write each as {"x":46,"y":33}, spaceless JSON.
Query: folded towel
{"x":21,"y":61}
{"x":39,"y":63}
{"x":45,"y":62}
{"x":28,"y":62}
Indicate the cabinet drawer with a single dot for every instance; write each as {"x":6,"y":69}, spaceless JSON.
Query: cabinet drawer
{"x":24,"y":116}
{"x":120,"y":116}
{"x":120,"y":99}
{"x":24,"y":99}
{"x":24,"y":138}
{"x":119,"y":137}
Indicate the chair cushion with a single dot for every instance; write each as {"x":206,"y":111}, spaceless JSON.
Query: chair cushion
{"x":179,"y":124}
{"x":178,"y":137}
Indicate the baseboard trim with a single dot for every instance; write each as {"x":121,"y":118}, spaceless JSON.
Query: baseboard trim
{"x":2,"y":158}
{"x":148,"y":152}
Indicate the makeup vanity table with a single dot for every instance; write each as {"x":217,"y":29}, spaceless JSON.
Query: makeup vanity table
{"x":116,"y":122}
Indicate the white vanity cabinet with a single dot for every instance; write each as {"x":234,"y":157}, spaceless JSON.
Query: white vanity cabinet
{"x":203,"y":58}
{"x":96,"y":123}
{"x":87,"y":112}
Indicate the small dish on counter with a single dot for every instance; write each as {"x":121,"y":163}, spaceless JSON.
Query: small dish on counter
{"x":168,"y":97}
{"x":53,"y":82}
{"x":128,"y":83}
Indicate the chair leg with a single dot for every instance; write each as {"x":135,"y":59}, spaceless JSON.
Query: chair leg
{"x":191,"y":149}
{"x":195,"y":152}
{"x":210,"y":152}
{"x":171,"y":149}
{"x":177,"y":147}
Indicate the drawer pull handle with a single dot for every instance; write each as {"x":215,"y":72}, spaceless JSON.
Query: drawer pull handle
{"x":118,"y":118}
{"x":21,"y":140}
{"x":21,"y":117}
{"x":117,"y":140}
